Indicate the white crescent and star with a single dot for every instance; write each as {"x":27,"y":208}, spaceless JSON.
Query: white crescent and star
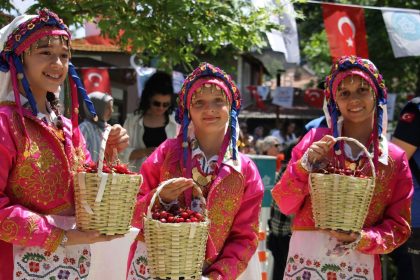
{"x":92,"y":75}
{"x":347,"y":20}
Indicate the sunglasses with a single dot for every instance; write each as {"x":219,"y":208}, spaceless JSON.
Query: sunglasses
{"x":161,"y":104}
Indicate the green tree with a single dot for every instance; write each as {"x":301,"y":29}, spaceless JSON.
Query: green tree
{"x":175,"y":31}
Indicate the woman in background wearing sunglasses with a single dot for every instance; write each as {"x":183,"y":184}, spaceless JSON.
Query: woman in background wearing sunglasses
{"x":152,"y":122}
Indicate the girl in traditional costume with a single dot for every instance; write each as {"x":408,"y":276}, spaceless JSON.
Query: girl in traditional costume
{"x":205,"y":153}
{"x":356,"y":98}
{"x":40,"y":152}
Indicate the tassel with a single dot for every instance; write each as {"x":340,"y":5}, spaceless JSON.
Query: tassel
{"x":25,"y":84}
{"x":79,"y":88}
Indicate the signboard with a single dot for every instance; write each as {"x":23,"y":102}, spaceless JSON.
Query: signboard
{"x":267,"y":168}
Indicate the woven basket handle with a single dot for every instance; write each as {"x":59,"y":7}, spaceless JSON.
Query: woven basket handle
{"x":102,"y":148}
{"x":360,"y":145}
{"x":163,"y":185}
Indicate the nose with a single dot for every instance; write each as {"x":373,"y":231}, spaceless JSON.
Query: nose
{"x":56,"y":61}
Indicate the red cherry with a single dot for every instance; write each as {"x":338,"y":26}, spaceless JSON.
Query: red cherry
{"x":188,"y":220}
{"x":162,"y":220}
{"x":164,"y":214}
{"x":156,"y":216}
{"x":171,"y":219}
{"x":184,"y":215}
{"x":180,"y":220}
{"x":199,"y":216}
{"x":194,"y":220}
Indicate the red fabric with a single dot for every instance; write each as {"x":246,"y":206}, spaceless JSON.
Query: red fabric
{"x":345,"y":27}
{"x":258,"y":100}
{"x":96,"y":79}
{"x":314,"y":97}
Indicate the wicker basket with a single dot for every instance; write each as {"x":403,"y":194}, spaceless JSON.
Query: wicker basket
{"x":340,"y":201}
{"x":175,"y":250}
{"x":105,"y":202}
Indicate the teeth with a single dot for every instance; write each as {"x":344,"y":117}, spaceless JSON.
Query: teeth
{"x":55,"y":76}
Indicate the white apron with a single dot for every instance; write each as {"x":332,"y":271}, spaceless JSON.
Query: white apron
{"x":315,"y":255}
{"x":139,"y":270}
{"x":69,"y":262}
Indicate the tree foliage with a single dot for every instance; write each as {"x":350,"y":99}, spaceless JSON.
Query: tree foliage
{"x":401,"y":74}
{"x":173,"y":30}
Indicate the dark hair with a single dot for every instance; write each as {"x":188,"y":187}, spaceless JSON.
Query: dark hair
{"x":55,"y":106}
{"x":159,"y":83}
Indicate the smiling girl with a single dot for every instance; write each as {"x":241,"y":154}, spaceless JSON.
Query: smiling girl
{"x":205,"y":152}
{"x":356,"y":97}
{"x":40,"y":152}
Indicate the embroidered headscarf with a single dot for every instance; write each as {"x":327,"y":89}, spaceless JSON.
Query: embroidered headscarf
{"x":352,"y":65}
{"x":17,"y":37}
{"x":208,"y":74}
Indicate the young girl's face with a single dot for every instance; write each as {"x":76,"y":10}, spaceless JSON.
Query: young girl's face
{"x":355,"y":99}
{"x":209,"y":110}
{"x":46,"y":64}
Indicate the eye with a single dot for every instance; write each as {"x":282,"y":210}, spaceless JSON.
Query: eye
{"x":220,"y":101}
{"x":198,"y":103}
{"x":65,"y":55}
{"x":343,"y":94}
{"x":363,"y":90}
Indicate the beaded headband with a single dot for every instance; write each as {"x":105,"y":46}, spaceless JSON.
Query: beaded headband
{"x":16,"y":38}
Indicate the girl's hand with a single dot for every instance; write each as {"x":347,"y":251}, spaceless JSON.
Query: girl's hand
{"x":76,"y":237}
{"x":320,"y":151}
{"x":174,"y":189}
{"x":117,"y":139}
{"x":343,"y":236}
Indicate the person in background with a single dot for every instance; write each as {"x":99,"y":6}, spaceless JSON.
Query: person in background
{"x":41,"y":150}
{"x":270,"y":146}
{"x":279,"y":224}
{"x":356,"y":98}
{"x":407,"y":136}
{"x":92,"y":130}
{"x":205,"y":153}
{"x":152,"y":122}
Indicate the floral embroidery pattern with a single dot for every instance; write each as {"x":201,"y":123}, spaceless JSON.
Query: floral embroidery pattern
{"x":35,"y":263}
{"x":299,"y":267}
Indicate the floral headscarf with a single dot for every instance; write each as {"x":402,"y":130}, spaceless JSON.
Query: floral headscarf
{"x":352,"y":65}
{"x":208,"y":74}
{"x":17,"y":37}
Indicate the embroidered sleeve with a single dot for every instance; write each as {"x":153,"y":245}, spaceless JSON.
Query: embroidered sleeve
{"x":290,"y":192}
{"x":18,"y":225}
{"x":242,"y":241}
{"x":150,"y":169}
{"x":394,"y":229}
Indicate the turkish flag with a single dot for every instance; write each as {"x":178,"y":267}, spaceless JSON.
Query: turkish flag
{"x":96,"y":79}
{"x":314,"y":97}
{"x":254,"y":93}
{"x":345,"y":27}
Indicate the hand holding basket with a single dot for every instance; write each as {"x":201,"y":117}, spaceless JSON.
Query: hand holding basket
{"x":105,"y":201}
{"x":175,"y":249}
{"x":339,"y":201}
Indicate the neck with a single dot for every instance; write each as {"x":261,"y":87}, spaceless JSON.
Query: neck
{"x":360,"y":132}
{"x":210,"y":144}
{"x":40,"y":99}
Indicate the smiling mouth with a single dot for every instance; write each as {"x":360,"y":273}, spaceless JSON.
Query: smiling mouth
{"x":52,"y":76}
{"x":355,"y":110}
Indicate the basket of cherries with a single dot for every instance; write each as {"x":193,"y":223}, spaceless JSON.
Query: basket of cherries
{"x":176,"y":239}
{"x":341,"y":195}
{"x":105,"y":195}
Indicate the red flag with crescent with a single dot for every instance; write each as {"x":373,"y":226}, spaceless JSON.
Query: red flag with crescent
{"x":346,"y":32}
{"x":96,"y":79}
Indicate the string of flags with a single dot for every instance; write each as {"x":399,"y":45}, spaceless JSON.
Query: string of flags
{"x":345,"y":27}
